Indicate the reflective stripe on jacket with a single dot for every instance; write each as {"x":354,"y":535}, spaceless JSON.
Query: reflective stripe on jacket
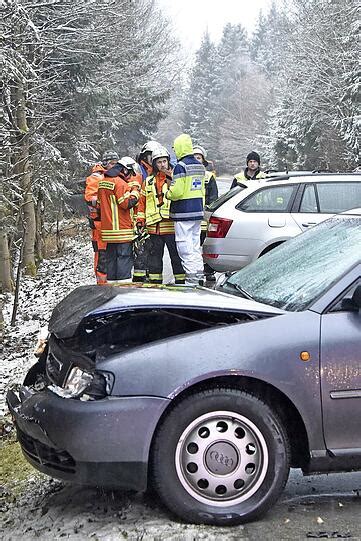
{"x":153,"y":206}
{"x":116,"y":221}
{"x":91,"y":194}
{"x":243,"y":178}
{"x":186,"y":191}
{"x":210,"y":194}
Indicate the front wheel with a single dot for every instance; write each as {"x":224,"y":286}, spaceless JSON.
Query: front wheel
{"x":220,"y":456}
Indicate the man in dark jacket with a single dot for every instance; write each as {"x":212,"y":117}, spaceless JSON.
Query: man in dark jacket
{"x":251,"y":172}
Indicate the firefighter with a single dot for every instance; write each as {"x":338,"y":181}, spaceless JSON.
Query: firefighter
{"x":251,"y":172}
{"x":109,"y":159}
{"x":141,"y":261}
{"x":211,"y":194}
{"x":154,"y":214}
{"x":186,"y":193}
{"x":116,"y":199}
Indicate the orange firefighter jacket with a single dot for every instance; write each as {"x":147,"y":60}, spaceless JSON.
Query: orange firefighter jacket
{"x":115,"y":216}
{"x":153,"y":207}
{"x":91,"y":196}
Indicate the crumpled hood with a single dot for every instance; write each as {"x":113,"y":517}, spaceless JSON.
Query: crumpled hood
{"x":183,"y":146}
{"x":74,"y":307}
{"x":97,"y":300}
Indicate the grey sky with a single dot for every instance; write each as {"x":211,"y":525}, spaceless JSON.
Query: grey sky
{"x":192,"y":17}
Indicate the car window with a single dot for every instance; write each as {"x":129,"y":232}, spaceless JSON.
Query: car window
{"x":309,"y":201}
{"x":295,"y":274}
{"x":337,"y":197}
{"x":272,"y":199}
{"x":345,"y":303}
{"x":225,"y":197}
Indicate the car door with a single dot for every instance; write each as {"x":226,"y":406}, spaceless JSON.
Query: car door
{"x":308,"y":214}
{"x":321,"y":200}
{"x":264,"y":219}
{"x":341,"y":375}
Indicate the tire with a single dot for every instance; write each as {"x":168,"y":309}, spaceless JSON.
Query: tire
{"x":221,"y":457}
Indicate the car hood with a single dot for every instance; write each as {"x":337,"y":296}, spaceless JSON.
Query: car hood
{"x":93,"y":300}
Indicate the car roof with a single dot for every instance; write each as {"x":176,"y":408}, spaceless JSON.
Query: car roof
{"x":291,"y":178}
{"x":300,"y":178}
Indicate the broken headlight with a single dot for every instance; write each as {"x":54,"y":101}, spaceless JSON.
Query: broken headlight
{"x":75,"y":384}
{"x":84,"y":385}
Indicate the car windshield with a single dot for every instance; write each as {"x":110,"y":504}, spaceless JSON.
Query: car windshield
{"x":296,"y":273}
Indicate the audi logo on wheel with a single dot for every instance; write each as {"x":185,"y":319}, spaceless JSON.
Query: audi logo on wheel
{"x":221,"y":459}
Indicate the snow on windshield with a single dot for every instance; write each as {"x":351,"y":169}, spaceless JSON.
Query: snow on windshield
{"x":299,"y":271}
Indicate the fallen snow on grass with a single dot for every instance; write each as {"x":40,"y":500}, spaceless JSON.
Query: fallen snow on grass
{"x":37,"y":298}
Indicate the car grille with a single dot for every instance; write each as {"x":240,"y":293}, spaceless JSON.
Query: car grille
{"x":44,"y":455}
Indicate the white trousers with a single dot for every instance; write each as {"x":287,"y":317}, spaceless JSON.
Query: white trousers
{"x":187,"y":238}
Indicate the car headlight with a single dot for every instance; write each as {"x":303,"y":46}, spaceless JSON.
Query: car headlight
{"x":75,"y":384}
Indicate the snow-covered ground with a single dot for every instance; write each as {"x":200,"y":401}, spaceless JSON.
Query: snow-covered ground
{"x":37,"y":298}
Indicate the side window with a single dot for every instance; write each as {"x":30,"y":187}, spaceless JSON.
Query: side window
{"x":309,"y":201}
{"x":337,"y":197}
{"x":272,"y":199}
{"x":346,"y":304}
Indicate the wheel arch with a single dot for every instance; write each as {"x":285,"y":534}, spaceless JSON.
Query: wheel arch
{"x":273,"y":397}
{"x":271,"y":246}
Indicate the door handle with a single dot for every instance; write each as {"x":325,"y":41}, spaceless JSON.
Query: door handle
{"x":307,"y":224}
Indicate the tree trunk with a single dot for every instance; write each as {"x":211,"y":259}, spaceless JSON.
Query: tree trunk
{"x":2,"y":324}
{"x":40,"y":248}
{"x":22,"y":169}
{"x":6,"y":283}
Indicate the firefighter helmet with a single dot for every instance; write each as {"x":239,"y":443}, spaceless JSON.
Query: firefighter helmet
{"x":200,"y":150}
{"x":149,"y":146}
{"x":160,"y":152}
{"x":128,"y":163}
{"x":108,"y":156}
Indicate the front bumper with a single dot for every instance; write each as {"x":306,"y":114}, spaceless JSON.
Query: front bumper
{"x":103,"y":442}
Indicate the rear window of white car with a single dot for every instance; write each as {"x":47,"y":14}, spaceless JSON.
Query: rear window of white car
{"x":337,"y":197}
{"x":331,"y":197}
{"x":270,"y":199}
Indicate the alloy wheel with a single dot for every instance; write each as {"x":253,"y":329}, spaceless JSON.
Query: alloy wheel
{"x":221,"y":458}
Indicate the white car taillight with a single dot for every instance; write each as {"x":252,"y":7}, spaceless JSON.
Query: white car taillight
{"x":218,"y":227}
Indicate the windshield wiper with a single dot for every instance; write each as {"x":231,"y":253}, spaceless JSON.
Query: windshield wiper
{"x":240,"y":289}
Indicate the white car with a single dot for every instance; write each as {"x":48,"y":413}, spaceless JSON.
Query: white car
{"x":250,"y":220}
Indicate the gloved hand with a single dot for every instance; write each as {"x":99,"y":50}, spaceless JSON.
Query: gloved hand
{"x":168,"y":177}
{"x":140,"y":227}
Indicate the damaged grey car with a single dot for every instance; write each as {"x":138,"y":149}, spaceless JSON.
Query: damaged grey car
{"x":209,"y":397}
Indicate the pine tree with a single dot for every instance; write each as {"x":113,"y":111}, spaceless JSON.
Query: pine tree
{"x":316,"y":92}
{"x":201,"y":89}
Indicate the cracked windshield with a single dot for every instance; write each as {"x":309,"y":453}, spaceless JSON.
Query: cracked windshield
{"x":180,"y":270}
{"x":296,"y":274}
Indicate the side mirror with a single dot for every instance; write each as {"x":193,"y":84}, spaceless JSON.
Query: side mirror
{"x":354,"y":303}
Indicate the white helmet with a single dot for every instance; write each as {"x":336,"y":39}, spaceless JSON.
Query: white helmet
{"x":160,"y":152}
{"x":200,"y":150}
{"x":149,"y":146}
{"x":129,"y":164}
